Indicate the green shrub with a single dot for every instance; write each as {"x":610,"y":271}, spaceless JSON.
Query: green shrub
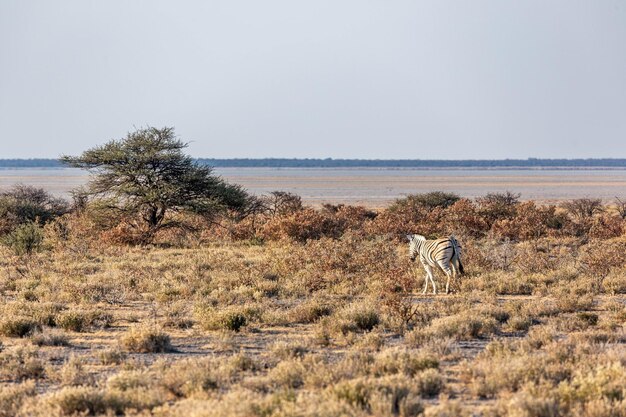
{"x":428,"y":200}
{"x":25,"y":239}
{"x":25,"y":204}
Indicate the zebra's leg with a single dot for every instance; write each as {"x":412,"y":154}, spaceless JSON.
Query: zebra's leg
{"x":425,"y":265}
{"x":446,"y":268}
{"x":456,"y":272}
{"x":431,"y":275}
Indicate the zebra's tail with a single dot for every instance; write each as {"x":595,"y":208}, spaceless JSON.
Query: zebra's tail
{"x":457,"y":251}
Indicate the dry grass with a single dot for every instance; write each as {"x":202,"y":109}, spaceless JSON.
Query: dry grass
{"x":144,"y":340}
{"x":321,"y":328}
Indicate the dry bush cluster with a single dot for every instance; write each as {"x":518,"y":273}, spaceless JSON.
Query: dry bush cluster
{"x":295,"y":311}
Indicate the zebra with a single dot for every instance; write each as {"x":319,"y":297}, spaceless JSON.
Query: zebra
{"x":444,"y":253}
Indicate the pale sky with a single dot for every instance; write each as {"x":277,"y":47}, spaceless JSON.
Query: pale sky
{"x":338,"y":78}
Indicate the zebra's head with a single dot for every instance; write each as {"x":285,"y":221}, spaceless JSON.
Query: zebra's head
{"x":415,"y":241}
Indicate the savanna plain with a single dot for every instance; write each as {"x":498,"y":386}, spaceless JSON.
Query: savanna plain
{"x":300,"y":311}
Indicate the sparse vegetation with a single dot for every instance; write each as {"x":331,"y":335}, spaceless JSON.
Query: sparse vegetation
{"x":291,"y":310}
{"x":140,"y":340}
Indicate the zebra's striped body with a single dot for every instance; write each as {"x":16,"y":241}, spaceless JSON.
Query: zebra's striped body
{"x":444,"y":253}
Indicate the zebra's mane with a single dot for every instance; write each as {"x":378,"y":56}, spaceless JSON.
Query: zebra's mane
{"x":416,"y":237}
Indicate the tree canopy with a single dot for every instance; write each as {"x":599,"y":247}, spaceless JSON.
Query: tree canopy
{"x":147,"y":174}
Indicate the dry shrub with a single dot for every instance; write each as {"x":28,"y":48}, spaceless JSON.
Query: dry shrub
{"x":566,"y":371}
{"x":25,"y":240}
{"x":12,"y":396}
{"x":125,"y":233}
{"x":350,"y":255}
{"x":280,"y":203}
{"x":606,"y":382}
{"x":244,"y":229}
{"x":423,"y":213}
{"x":349,"y":218}
{"x":520,"y":323}
{"x":111,"y":357}
{"x":395,"y":299}
{"x":371,"y":342}
{"x":475,"y":257}
{"x":463,"y":326}
{"x":463,"y":218}
{"x":289,"y":350}
{"x":310,"y":311}
{"x":403,"y":361}
{"x":497,"y":369}
{"x":20,"y":363}
{"x":529,"y":222}
{"x":232,"y":318}
{"x":74,"y":232}
{"x":506,"y":283}
{"x":176,"y":316}
{"x":195,"y":378}
{"x":71,"y":401}
{"x":407,"y":219}
{"x":489,"y":254}
{"x":49,"y":337}
{"x":538,"y":337}
{"x":43,"y":314}
{"x":17,"y":326}
{"x":615,"y":282}
{"x":301,"y":226}
{"x":539,"y":256}
{"x":583,"y":208}
{"x":83,"y":320}
{"x":498,"y":206}
{"x":390,"y":396}
{"x":289,"y":374}
{"x":606,"y":227}
{"x":356,"y":317}
{"x":448,"y":408}
{"x":127,"y":380}
{"x":144,"y":340}
{"x":568,"y":302}
{"x":527,"y":405}
{"x":72,"y":373}
{"x":598,"y":258}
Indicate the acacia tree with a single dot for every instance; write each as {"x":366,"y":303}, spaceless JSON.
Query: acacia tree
{"x":147,"y":176}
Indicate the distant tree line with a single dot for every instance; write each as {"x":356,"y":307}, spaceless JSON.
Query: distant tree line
{"x":412,"y":163}
{"x":30,"y":163}
{"x":365,"y":163}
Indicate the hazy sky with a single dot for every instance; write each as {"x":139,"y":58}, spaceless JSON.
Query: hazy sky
{"x":341,"y":78}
